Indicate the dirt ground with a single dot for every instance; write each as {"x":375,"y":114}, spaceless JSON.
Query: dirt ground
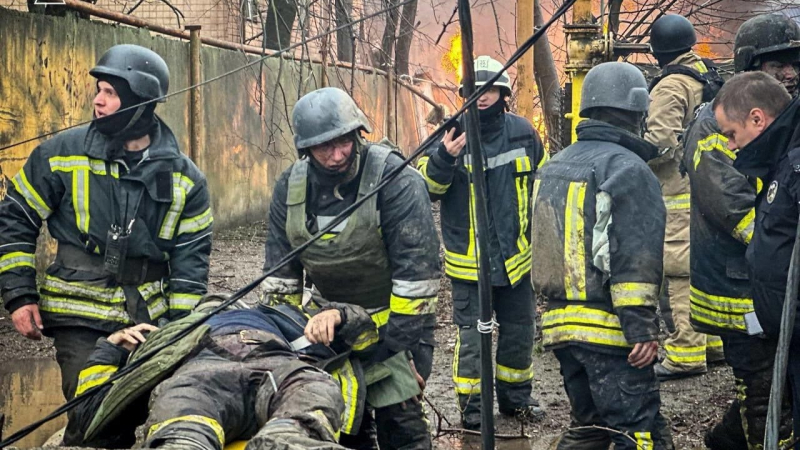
{"x":691,"y":405}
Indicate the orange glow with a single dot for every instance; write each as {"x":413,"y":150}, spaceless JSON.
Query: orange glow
{"x":704,"y":51}
{"x":451,"y":61}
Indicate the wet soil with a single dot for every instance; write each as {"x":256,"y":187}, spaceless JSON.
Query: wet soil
{"x":692,"y":405}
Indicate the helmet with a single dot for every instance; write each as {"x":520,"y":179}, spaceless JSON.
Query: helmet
{"x":761,"y":35}
{"x":326,"y":114}
{"x":615,"y":85}
{"x":672,"y":33}
{"x":486,"y":68}
{"x":146,"y":72}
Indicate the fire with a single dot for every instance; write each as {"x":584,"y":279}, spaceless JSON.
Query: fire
{"x":451,"y":61}
{"x":704,"y":51}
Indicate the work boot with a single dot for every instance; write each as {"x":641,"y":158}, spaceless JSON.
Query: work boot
{"x":532,"y":411}
{"x":665,"y":374}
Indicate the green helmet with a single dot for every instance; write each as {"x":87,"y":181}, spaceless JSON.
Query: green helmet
{"x":763,"y":35}
{"x":145,"y":71}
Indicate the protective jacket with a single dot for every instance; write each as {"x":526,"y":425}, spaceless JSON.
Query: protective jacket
{"x":597,"y":230}
{"x":674,"y":100}
{"x":774,"y":157}
{"x":80,"y":183}
{"x":513,"y":153}
{"x":383,"y":257}
{"x":723,"y":218}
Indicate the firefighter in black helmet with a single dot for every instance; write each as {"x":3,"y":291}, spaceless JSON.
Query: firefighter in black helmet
{"x":130,"y":212}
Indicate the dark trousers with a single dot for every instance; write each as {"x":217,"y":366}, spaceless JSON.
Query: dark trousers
{"x":73,"y":347}
{"x":794,"y":382}
{"x":742,"y":427}
{"x":514,"y":312}
{"x":605,"y":390}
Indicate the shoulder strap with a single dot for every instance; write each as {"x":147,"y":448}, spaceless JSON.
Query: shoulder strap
{"x":373,"y":167}
{"x":298,"y":180}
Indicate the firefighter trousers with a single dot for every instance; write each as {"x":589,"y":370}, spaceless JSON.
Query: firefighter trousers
{"x":514,"y":312}
{"x":274,"y":401}
{"x":685,"y":348}
{"x":743,"y":425}
{"x":606,"y":391}
{"x":73,"y":347}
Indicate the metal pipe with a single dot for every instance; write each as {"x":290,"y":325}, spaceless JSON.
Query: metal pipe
{"x":195,"y":110}
{"x":585,"y":48}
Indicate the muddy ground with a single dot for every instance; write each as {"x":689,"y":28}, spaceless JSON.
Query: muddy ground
{"x":692,"y":405}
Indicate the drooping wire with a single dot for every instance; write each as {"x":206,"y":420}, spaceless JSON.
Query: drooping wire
{"x":292,"y":254}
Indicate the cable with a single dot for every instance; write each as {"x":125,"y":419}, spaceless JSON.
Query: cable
{"x":291,"y":255}
{"x":218,"y":77}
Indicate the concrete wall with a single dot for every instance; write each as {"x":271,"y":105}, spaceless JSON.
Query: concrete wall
{"x":246,"y":140}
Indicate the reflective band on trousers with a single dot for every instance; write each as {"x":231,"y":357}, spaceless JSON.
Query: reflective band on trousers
{"x":348,"y":381}
{"x":94,"y":376}
{"x":463,"y":386}
{"x":644,"y":440}
{"x":577,"y":323}
{"x":203,"y":420}
{"x":719,"y":311}
{"x":511,"y":375}
{"x":574,"y":242}
{"x":677,"y":202}
{"x":688,"y":355}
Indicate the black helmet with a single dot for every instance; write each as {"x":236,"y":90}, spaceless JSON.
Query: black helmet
{"x":672,"y":33}
{"x":761,"y":35}
{"x":146,"y":72}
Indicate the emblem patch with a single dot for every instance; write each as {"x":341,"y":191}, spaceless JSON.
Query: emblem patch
{"x":773,"y":189}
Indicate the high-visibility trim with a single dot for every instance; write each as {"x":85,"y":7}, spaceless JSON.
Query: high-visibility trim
{"x":287,"y":299}
{"x":701,"y":67}
{"x":324,"y":221}
{"x":32,"y":198}
{"x":744,"y":229}
{"x":421,"y":288}
{"x":91,"y":310}
{"x":380,"y":317}
{"x":460,"y":260}
{"x":196,"y":223}
{"x":433,"y":186}
{"x":348,"y":382}
{"x":511,"y":375}
{"x":281,"y":285}
{"x":113,"y":295}
{"x":80,"y":199}
{"x":712,"y":142}
{"x":536,"y":185}
{"x":577,"y":323}
{"x":545,"y":158}
{"x":507,"y":158}
{"x":193,"y":418}
{"x":574,"y":242}
{"x":74,"y":163}
{"x":644,"y":440}
{"x":460,"y":273}
{"x":634,"y":294}
{"x":518,"y":265}
{"x":365,"y":340}
{"x":523,"y":165}
{"x":323,"y":420}
{"x":463,"y":385}
{"x":13,"y":260}
{"x":412,"y":306}
{"x":181,"y":186}
{"x":184,"y":302}
{"x":718,"y":311}
{"x":677,"y":202}
{"x":686,"y":355}
{"x":94,"y":376}
{"x":714,"y":342}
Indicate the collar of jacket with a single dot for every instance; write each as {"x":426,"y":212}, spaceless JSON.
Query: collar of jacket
{"x":595,"y":130}
{"x":758,"y":158}
{"x":163,"y":144}
{"x":686,"y":59}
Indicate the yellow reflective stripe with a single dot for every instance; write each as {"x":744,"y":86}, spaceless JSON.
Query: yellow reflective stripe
{"x":535,"y":195}
{"x":181,"y":186}
{"x":463,"y":386}
{"x":712,"y":142}
{"x":721,"y":303}
{"x":184,"y":301}
{"x":196,"y":223}
{"x":323,"y":420}
{"x":759,"y":185}
{"x":94,"y":376}
{"x":193,"y":418}
{"x":545,"y":158}
{"x":511,"y":375}
{"x":78,"y":289}
{"x":80,"y":199}
{"x":412,"y":306}
{"x":714,"y":342}
{"x":13,"y":260}
{"x":634,"y":294}
{"x":574,"y":242}
{"x":701,"y":67}
{"x":365,"y":339}
{"x":380,"y":318}
{"x":72,"y":163}
{"x":719,"y":311}
{"x":348,"y":381}
{"x":644,"y":440}
{"x":686,"y":354}
{"x":523,"y":165}
{"x":433,"y":186}
{"x":518,"y":265}
{"x":675,"y":202}
{"x":288,"y":299}
{"x":32,"y":198}
{"x":460,"y":273}
{"x":460,"y":260}
{"x":81,"y":308}
{"x":328,"y":236}
{"x":744,"y":229}
{"x":576,"y":323}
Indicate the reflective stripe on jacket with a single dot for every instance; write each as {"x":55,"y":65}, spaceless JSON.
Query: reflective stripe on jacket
{"x":513,"y":153}
{"x":80,"y":184}
{"x":597,"y":239}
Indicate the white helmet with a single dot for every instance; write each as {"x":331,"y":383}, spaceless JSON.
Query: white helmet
{"x":486,"y":68}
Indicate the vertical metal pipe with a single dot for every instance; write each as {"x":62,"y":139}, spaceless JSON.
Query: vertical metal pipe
{"x":582,"y":34}
{"x":195,"y":107}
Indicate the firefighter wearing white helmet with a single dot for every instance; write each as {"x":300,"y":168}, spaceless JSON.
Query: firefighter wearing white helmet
{"x":514,"y":152}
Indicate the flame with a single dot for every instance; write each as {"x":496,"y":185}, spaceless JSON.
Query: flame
{"x":452,"y":61}
{"x":703,"y":50}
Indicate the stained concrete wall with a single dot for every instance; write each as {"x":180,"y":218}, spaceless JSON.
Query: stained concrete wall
{"x":246,"y":140}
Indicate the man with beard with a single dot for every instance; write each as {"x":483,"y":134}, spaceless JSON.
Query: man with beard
{"x":384,"y":257}
{"x":130,"y":213}
{"x":722,"y":224}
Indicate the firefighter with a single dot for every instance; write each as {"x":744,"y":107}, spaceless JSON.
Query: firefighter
{"x":755,"y":118}
{"x":685,"y":82}
{"x":129,"y":211}
{"x":722,"y":223}
{"x":597,"y":239}
{"x":239,"y":376}
{"x":384,"y":257}
{"x":513,"y":153}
